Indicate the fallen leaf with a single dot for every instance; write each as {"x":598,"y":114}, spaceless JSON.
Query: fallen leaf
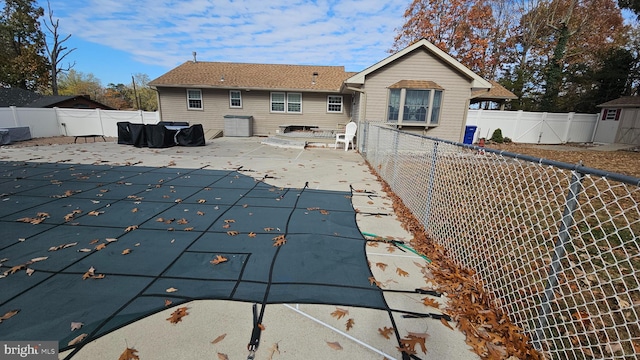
{"x":93,"y":241}
{"x":202,"y":201}
{"x":95,"y":213}
{"x":110,"y":240}
{"x":78,"y":339}
{"x":218,"y":259}
{"x":171,"y":290}
{"x":41,"y":258}
{"x":382,"y":266}
{"x":101,"y":246}
{"x":134,"y":210}
{"x":84,"y":250}
{"x":167,"y":302}
{"x":409,"y":343}
{"x":29,"y":271}
{"x":89,"y":273}
{"x":386,"y":332}
{"x":268,"y":229}
{"x":401,"y":272}
{"x":219,"y":338}
{"x":129,"y":354}
{"x":17,"y":268}
{"x":339,"y":313}
{"x":126,"y":251}
{"x":189,"y":228}
{"x":229,"y":221}
{"x":182,"y":221}
{"x":334,"y":345}
{"x":130,"y":228}
{"x":200,"y":213}
{"x":9,"y":314}
{"x":445,"y":323}
{"x":76,"y":325}
{"x":261,"y":326}
{"x":430,"y":302}
{"x":373,"y":281}
{"x":222,"y":356}
{"x":177,"y":315}
{"x":251,"y":234}
{"x":350,"y":324}
{"x":279,"y":240}
{"x":275,"y":348}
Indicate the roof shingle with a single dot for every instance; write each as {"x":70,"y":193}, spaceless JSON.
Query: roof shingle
{"x":254,"y":76}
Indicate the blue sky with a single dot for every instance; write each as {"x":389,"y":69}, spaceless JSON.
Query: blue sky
{"x":117,"y":38}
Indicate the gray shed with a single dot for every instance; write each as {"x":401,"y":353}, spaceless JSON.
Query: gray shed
{"x":619,"y":121}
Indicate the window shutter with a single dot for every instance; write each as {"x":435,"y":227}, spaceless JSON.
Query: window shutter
{"x":618,"y":111}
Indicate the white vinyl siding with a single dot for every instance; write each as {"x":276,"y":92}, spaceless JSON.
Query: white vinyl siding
{"x":334,"y":104}
{"x":235,"y":99}
{"x":194,"y":99}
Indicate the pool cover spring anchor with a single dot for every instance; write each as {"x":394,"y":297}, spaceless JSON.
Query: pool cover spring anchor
{"x":255,"y":334}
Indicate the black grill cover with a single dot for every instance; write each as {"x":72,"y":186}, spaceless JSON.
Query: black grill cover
{"x":191,"y":136}
{"x":158,"y":136}
{"x":124,"y":134}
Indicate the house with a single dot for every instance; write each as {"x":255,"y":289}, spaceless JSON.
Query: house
{"x":24,"y":98}
{"x":420,"y":88}
{"x":497,"y":94}
{"x":619,"y":121}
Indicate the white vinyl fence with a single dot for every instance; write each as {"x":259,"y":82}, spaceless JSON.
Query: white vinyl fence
{"x":534,"y":127}
{"x":72,"y":122}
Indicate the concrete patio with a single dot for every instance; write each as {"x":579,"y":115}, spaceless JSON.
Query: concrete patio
{"x":292,"y":331}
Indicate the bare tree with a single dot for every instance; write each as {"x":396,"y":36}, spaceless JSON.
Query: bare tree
{"x":56,"y":51}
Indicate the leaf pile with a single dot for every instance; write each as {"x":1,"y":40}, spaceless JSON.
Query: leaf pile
{"x":488,"y":331}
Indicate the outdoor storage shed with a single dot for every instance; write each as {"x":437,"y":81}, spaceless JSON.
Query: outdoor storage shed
{"x":238,"y":125}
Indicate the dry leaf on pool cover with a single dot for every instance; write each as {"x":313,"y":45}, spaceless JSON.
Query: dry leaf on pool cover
{"x":334,"y":345}
{"x":76,"y":325}
{"x":129,"y":354}
{"x":78,"y":339}
{"x":218,"y":259}
{"x":171,"y":289}
{"x":9,"y":314}
{"x":177,"y":315}
{"x":219,"y":338}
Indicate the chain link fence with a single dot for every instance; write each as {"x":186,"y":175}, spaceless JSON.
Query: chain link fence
{"x":556,"y":245}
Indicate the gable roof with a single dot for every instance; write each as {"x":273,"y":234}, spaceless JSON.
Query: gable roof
{"x":497,"y":92}
{"x":16,"y":97}
{"x":227,"y":75}
{"x":625,"y":101}
{"x":476,"y":80}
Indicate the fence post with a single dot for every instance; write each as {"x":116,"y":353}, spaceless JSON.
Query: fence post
{"x":396,"y":140}
{"x":558,"y":253}
{"x":568,"y":124}
{"x":364,"y":133}
{"x":432,"y":176}
{"x":14,"y":112}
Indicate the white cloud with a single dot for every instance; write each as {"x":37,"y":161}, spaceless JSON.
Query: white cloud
{"x":164,"y":32}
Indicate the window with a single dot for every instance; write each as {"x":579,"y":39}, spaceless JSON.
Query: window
{"x":394,"y":104}
{"x":194,"y":99}
{"x":235,"y":99}
{"x":421,"y":106}
{"x":611,"y":114}
{"x":286,"y":102}
{"x":334,"y":103}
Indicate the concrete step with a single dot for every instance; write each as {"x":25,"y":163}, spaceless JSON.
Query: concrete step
{"x":284,"y":143}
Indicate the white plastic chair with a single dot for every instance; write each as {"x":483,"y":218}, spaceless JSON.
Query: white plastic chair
{"x":348,"y":136}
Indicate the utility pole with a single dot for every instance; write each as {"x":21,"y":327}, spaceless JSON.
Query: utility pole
{"x":135,"y":92}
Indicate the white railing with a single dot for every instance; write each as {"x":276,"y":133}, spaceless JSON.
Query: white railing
{"x":534,"y":127}
{"x":72,"y":122}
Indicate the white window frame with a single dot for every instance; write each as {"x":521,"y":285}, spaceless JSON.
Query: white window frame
{"x":199,"y":98}
{"x":287,"y":101}
{"x":329,"y":103}
{"x":428,"y":116}
{"x":231,"y":98}
{"x":284,"y":102}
